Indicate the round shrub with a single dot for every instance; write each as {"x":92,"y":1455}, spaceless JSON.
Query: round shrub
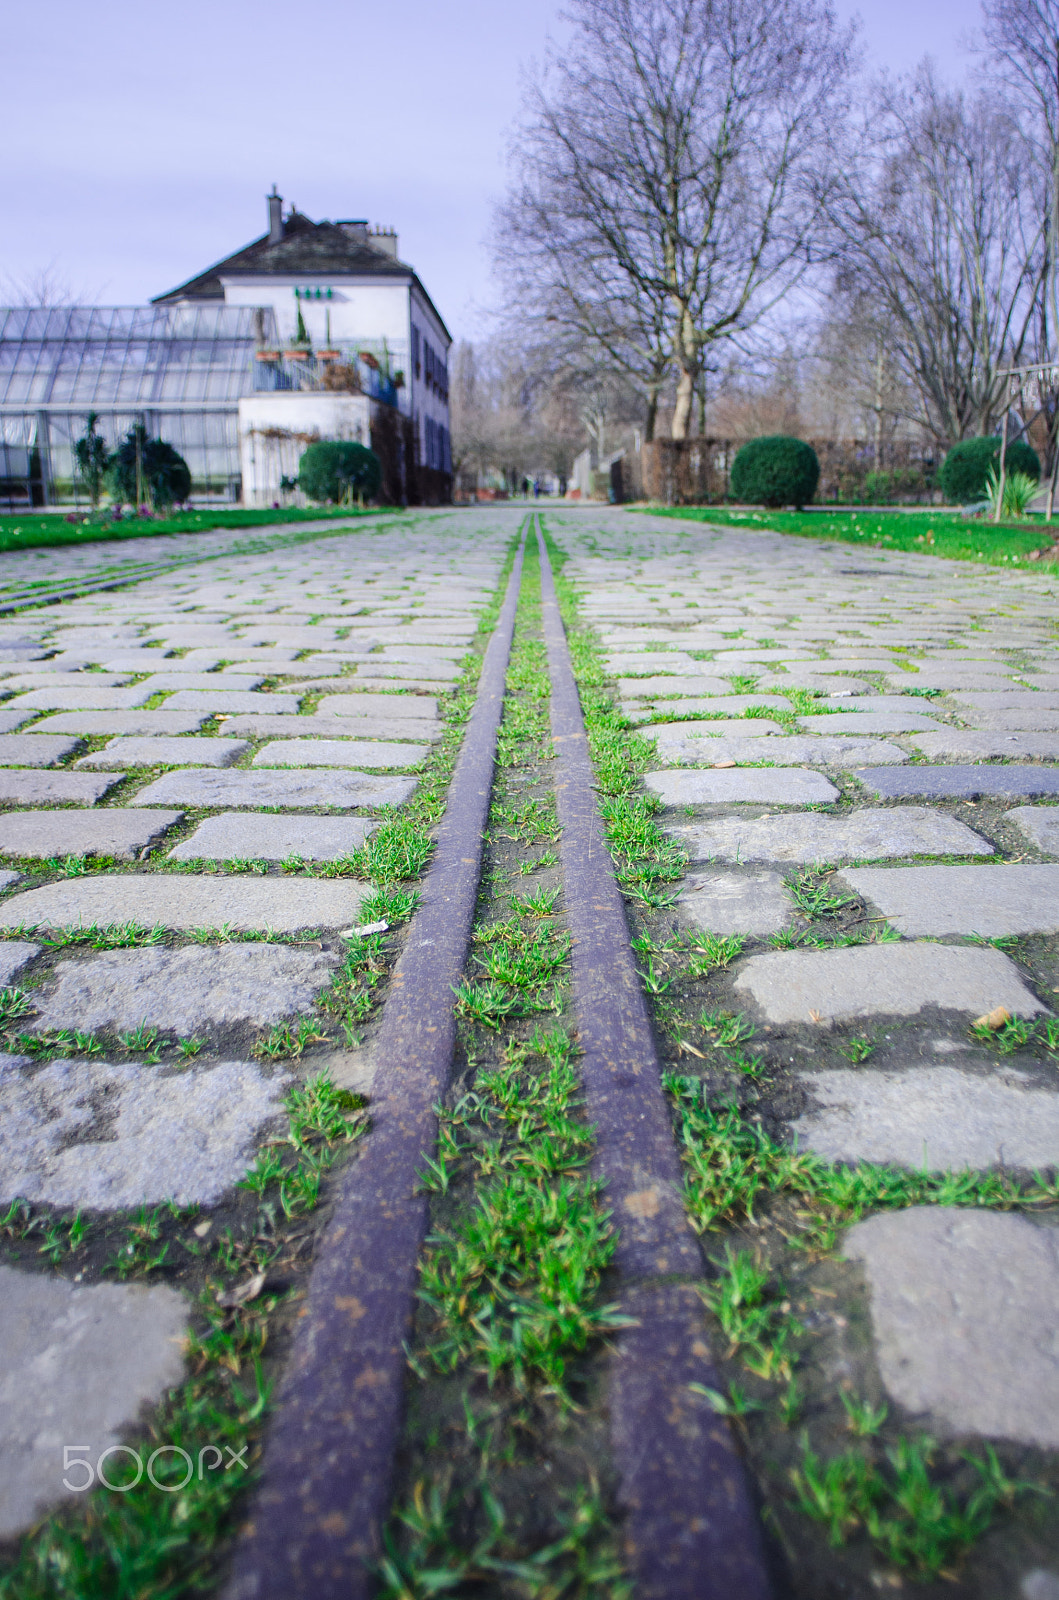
{"x":338,"y":469}
{"x":149,"y":468}
{"x":968,"y":464}
{"x":775,"y":471}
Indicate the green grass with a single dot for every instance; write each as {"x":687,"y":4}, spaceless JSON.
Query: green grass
{"x":514,"y":1286}
{"x":33,"y":530}
{"x":937,"y":533}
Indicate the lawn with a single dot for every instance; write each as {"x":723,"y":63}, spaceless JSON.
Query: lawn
{"x":936,"y":533}
{"x":23,"y":532}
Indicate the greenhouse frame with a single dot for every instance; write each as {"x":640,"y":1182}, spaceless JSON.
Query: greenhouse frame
{"x":177,"y":369}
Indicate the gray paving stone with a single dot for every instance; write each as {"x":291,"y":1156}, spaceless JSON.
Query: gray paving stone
{"x":237,"y":835}
{"x":931,"y":1117}
{"x":14,"y":953}
{"x":1020,"y":699}
{"x":418,"y":671}
{"x":917,"y":704}
{"x":726,"y":705}
{"x":964,"y":1307}
{"x":90,"y":724}
{"x":387,"y":706}
{"x":1028,"y":721}
{"x":817,"y":682}
{"x":288,"y":789}
{"x":57,"y":788}
{"x":235,"y":702}
{"x":258,"y":727}
{"x":788,"y":750}
{"x":160,"y":682}
{"x":40,"y":679}
{"x":113,"y":831}
{"x":868,"y":722}
{"x":85,"y":698}
{"x":733,"y":902}
{"x":80,"y":1362}
{"x":878,"y":835}
{"x":642,"y":663}
{"x":1038,"y":824}
{"x":695,"y":733}
{"x":961,"y":744}
{"x":14,"y":715}
{"x":185,"y":1136}
{"x":959,"y":782}
{"x":333,"y":753}
{"x":932,"y":677}
{"x":780,"y":786}
{"x":282,"y":905}
{"x":34,"y":749}
{"x":181,"y":991}
{"x":808,"y":986}
{"x":655,"y":688}
{"x":162,"y":752}
{"x":991,"y":901}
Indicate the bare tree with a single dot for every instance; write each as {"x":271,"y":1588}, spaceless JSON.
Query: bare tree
{"x":938,"y":229}
{"x":667,"y":175}
{"x":43,"y":287}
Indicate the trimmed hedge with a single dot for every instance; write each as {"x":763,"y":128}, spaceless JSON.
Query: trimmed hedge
{"x":967,"y":465}
{"x":337,"y":469}
{"x":775,"y":471}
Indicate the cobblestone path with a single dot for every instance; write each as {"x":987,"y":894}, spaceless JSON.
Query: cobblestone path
{"x":828,"y":780}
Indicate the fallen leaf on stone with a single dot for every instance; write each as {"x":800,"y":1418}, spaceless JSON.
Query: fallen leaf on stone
{"x":726,"y":763}
{"x":993,"y":1019}
{"x":364,"y":929}
{"x":814,"y":1016}
{"x":244,"y":1292}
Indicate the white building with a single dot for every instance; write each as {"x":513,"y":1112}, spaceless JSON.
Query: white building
{"x":340,"y":318}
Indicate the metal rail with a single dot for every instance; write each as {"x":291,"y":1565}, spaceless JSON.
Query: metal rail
{"x":691,"y":1529}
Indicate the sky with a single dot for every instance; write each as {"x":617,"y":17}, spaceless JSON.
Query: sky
{"x":140,"y":141}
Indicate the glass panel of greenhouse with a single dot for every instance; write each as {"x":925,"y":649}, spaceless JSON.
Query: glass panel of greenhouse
{"x":178,"y":370}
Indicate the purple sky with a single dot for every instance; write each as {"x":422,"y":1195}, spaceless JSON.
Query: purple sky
{"x":140,"y":141}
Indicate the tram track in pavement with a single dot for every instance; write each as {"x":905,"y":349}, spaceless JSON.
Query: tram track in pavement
{"x":683,"y":1517}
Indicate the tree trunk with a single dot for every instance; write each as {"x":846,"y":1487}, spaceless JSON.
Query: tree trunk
{"x":651,"y":417}
{"x":685,"y":401}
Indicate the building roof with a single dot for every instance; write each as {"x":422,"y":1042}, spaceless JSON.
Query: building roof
{"x":306,"y":248}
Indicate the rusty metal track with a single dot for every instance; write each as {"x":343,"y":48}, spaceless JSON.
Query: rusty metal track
{"x":691,"y":1530}
{"x":313,"y":1530}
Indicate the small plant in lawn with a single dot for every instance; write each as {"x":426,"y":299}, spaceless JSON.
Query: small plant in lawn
{"x":14,"y":1003}
{"x":541,"y":903}
{"x":857,"y":1050}
{"x":487,"y":1003}
{"x":814,"y":897}
{"x":725,"y":1029}
{"x":287,"y":1039}
{"x":863,"y":1418}
{"x":710,"y":951}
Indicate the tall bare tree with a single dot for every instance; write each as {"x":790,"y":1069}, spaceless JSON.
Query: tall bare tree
{"x":667,"y":175}
{"x":937,"y":227}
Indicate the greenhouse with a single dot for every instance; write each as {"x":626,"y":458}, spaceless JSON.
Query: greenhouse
{"x":177,"y":369}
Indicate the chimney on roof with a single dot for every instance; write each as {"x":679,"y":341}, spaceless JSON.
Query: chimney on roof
{"x":385,"y":239}
{"x":275,"y":216}
{"x":355,"y":227}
